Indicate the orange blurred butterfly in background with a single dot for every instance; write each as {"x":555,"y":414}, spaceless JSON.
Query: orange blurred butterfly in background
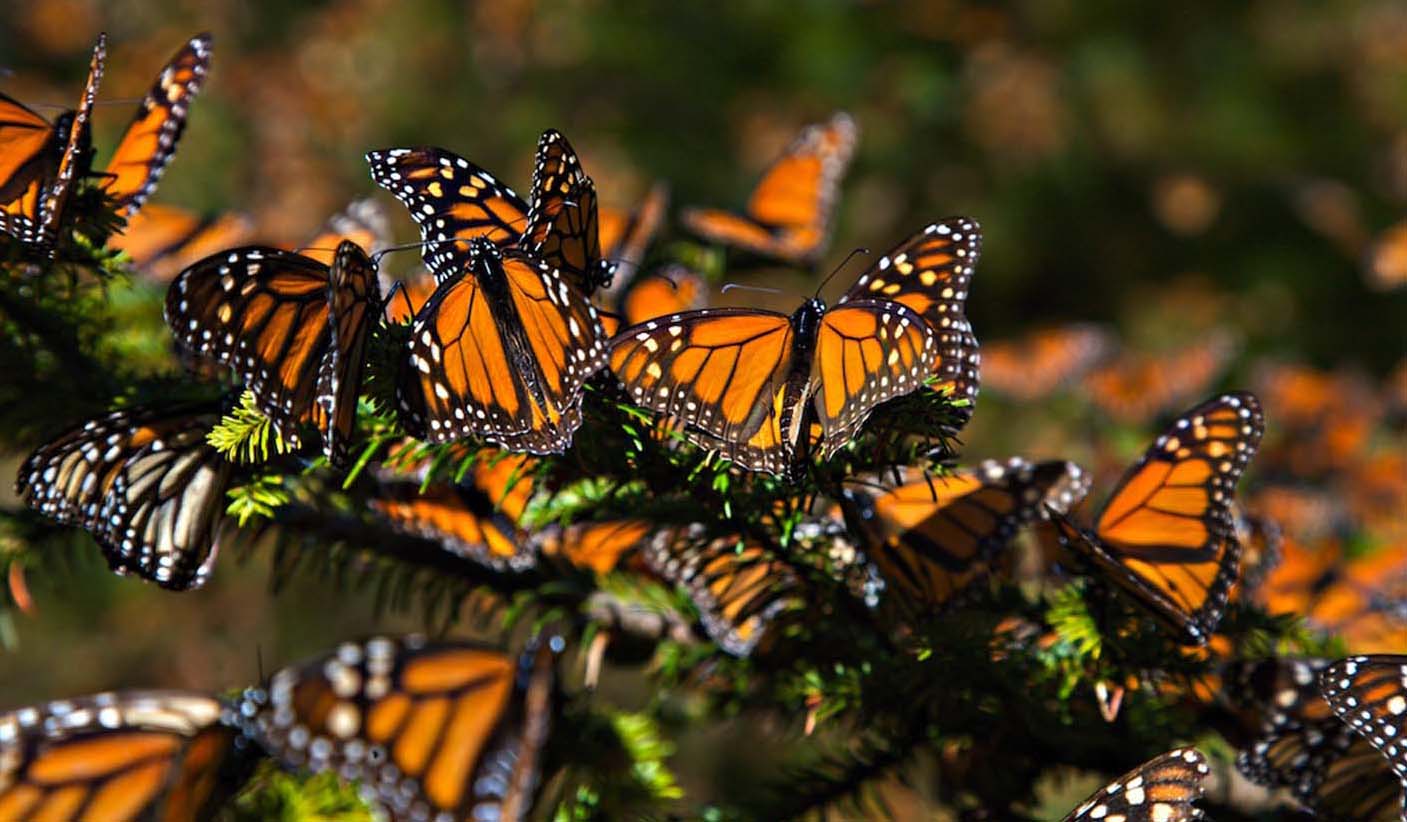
{"x":788,"y":215}
{"x":431,"y":730}
{"x":1135,"y":388}
{"x":455,"y":201}
{"x":1166,"y":534}
{"x":930,"y":537}
{"x":118,"y":757}
{"x":501,"y":351}
{"x":162,"y":240}
{"x":626,"y":236}
{"x":363,"y":222}
{"x":1042,"y":361}
{"x":292,"y":328}
{"x":673,"y":289}
{"x":596,"y":545}
{"x":40,"y":162}
{"x":146,"y":485}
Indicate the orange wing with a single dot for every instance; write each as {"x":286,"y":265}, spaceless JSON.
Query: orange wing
{"x":1385,"y":267}
{"x":162,"y":240}
{"x":452,"y":200}
{"x":595,"y":546}
{"x":119,"y":757}
{"x":363,"y":222}
{"x":725,"y":373}
{"x":867,"y":352}
{"x":412,"y":293}
{"x":1166,"y":534}
{"x":930,"y":537}
{"x":150,"y":141}
{"x":1136,"y":388}
{"x":1043,"y":361}
{"x":930,"y":273}
{"x":353,"y":294}
{"x":264,"y":313}
{"x":1367,"y":693}
{"x":671,"y":290}
{"x":502,"y":352}
{"x":562,"y":224}
{"x":626,"y":238}
{"x":144,"y":482}
{"x":449,"y":730}
{"x":789,"y":213}
{"x":1164,"y":789}
{"x":29,"y":158}
{"x":739,"y":587}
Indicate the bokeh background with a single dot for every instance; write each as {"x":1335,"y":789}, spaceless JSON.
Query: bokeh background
{"x":1174,"y":173}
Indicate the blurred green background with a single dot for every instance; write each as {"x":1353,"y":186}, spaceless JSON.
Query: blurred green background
{"x":1163,"y":169}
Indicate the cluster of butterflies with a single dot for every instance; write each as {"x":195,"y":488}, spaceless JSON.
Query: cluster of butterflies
{"x":525,"y":303}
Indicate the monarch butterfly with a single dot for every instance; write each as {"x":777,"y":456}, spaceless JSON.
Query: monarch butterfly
{"x":1163,"y":789}
{"x":363,"y":222}
{"x":932,"y":536}
{"x":150,"y":140}
{"x":1368,"y":693}
{"x":454,"y":201}
{"x":1326,"y":419}
{"x":119,"y":757}
{"x":294,"y":330}
{"x":788,"y":214}
{"x":501,"y":351}
{"x":597,"y":546}
{"x":1043,"y":361}
{"x":673,"y":289}
{"x":162,"y":240}
{"x":1302,"y":745}
{"x":1134,"y":388}
{"x":1359,"y":600}
{"x":40,"y":162}
{"x":739,"y":587}
{"x":431,"y":730}
{"x":741,"y":379}
{"x":144,"y":483}
{"x":1385,"y":267}
{"x":1166,"y":534}
{"x":626,"y":236}
{"x":477,"y":520}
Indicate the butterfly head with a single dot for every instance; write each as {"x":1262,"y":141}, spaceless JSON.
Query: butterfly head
{"x":807,"y":317}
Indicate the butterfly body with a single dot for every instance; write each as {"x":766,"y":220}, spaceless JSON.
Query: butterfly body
{"x":501,"y":351}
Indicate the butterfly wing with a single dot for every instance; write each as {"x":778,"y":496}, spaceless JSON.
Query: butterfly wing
{"x":595,"y":546}
{"x":930,"y":273}
{"x":363,"y":222}
{"x":150,"y":140}
{"x":1370,"y":694}
{"x":353,"y":296}
{"x":264,"y":313}
{"x":1037,"y":365}
{"x":1166,"y":534}
{"x":145,"y":483}
{"x":739,"y":587}
{"x":121,"y":757}
{"x":562,"y":224}
{"x":724,"y":373}
{"x":625,"y":238}
{"x":932,"y":536}
{"x":452,"y":200}
{"x":1134,"y":388}
{"x":672,"y":290}
{"x":788,"y":215}
{"x":867,"y":352}
{"x":432,"y":730}
{"x":502,"y":352}
{"x":29,"y":154}
{"x":161,"y":240}
{"x":1163,"y":789}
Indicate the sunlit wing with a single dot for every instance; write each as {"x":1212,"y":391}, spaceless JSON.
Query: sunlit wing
{"x":626,"y":237}
{"x":363,"y":222}
{"x":162,"y":240}
{"x":562,"y":223}
{"x":510,"y":371}
{"x":144,"y":483}
{"x":431,"y":730}
{"x":1163,"y":789}
{"x":788,"y":215}
{"x":1166,"y":534}
{"x":117,"y":757}
{"x":29,"y":156}
{"x":930,"y":273}
{"x":1038,"y":364}
{"x":930,"y":537}
{"x":595,"y":546}
{"x":150,"y":140}
{"x":353,"y":300}
{"x":671,"y":290}
{"x":452,"y":200}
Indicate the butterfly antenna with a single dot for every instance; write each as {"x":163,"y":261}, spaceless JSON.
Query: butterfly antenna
{"x":398,"y":287}
{"x":740,"y":287}
{"x":839,"y":268}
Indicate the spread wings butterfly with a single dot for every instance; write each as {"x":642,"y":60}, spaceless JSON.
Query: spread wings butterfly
{"x":144,"y":482}
{"x":455,"y":201}
{"x":118,"y":757}
{"x":741,"y":380}
{"x":1163,"y":789}
{"x":931,"y":536}
{"x":788,"y":214}
{"x":1166,"y":534}
{"x":294,"y":329}
{"x":430,"y":729}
